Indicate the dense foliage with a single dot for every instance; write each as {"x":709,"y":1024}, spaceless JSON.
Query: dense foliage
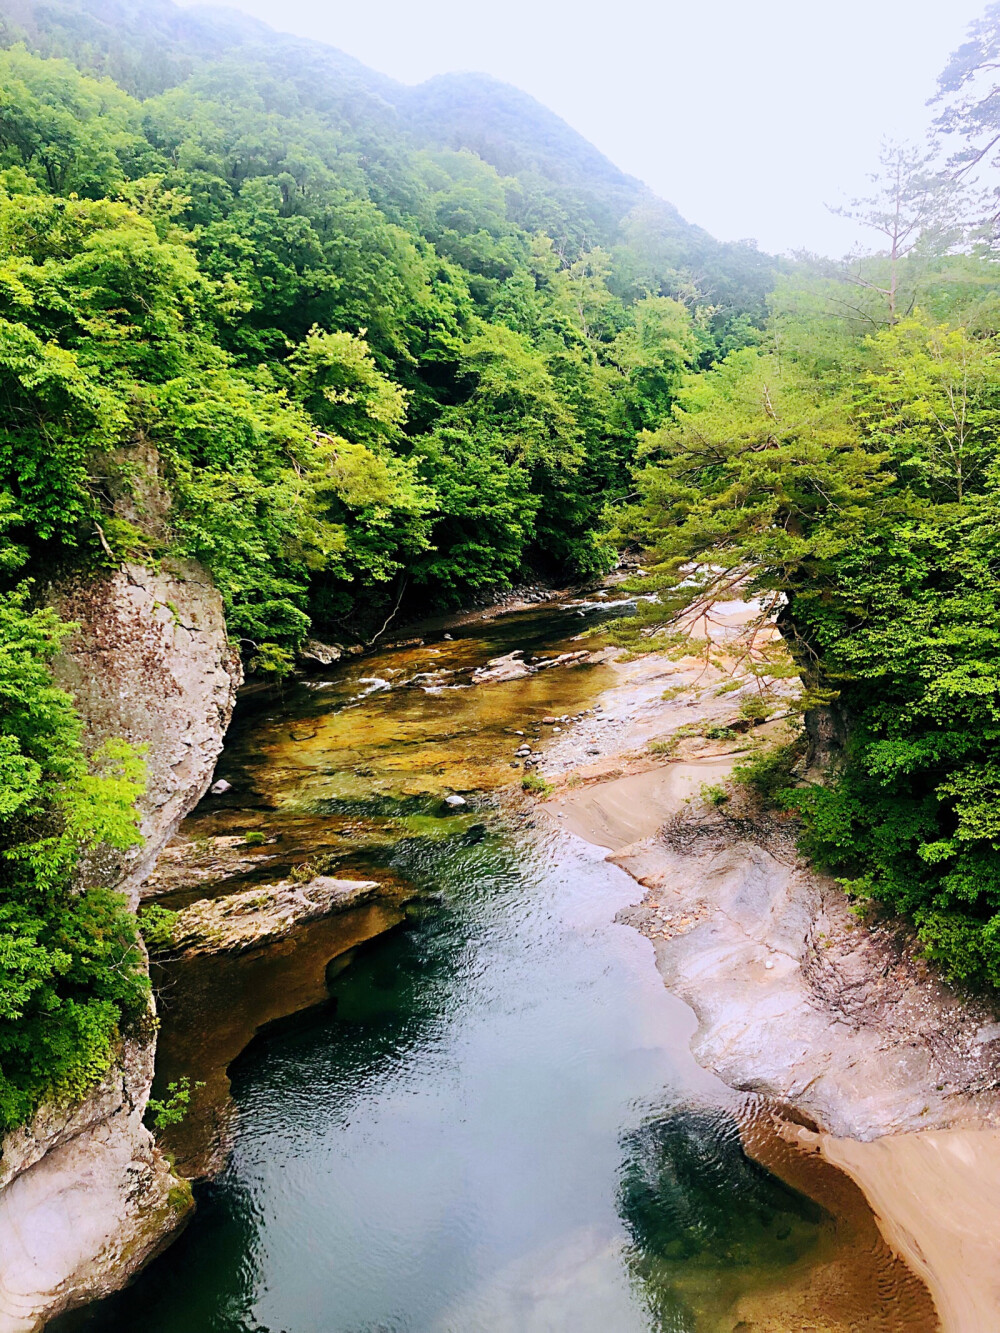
{"x":366,"y":359}
{"x":847,"y":470}
{"x":71,"y":968}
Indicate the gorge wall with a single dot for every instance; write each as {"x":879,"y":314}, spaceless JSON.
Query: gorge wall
{"x":86,"y":1198}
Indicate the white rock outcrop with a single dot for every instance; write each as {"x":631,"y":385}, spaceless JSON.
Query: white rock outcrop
{"x":151,"y":662}
{"x":85,"y":1198}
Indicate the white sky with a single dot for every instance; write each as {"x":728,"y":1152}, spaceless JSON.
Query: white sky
{"x":749,"y":115}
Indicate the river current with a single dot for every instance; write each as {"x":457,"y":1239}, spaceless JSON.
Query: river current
{"x":486,"y":1118}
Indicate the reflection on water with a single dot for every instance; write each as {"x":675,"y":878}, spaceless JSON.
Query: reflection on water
{"x":495,"y":1122}
{"x":212,"y":1006}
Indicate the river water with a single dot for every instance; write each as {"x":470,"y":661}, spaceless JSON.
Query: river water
{"x":485,"y":1117}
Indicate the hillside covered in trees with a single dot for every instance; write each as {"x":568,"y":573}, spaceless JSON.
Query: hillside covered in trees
{"x":376,"y":334}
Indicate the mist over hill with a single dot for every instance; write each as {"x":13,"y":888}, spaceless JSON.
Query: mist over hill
{"x":148,"y":46}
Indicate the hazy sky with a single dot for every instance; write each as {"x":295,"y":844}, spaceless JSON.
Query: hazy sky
{"x":749,"y":115}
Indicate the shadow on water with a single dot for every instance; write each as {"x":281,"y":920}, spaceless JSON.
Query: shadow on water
{"x":492,"y":1123}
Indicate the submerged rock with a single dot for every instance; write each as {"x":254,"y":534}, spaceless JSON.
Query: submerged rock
{"x":220,"y":1001}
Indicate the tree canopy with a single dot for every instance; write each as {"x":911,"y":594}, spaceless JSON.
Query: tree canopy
{"x":846,"y":470}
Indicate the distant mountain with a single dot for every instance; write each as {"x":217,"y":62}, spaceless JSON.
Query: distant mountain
{"x":521,"y":138}
{"x":148,"y":46}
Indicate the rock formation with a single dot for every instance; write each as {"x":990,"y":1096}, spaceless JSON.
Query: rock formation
{"x":151,"y":663}
{"x":265,"y":913}
{"x":86,"y":1198}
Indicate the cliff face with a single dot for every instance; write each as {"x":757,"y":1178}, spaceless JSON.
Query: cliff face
{"x":151,"y":663}
{"x":86,"y":1198}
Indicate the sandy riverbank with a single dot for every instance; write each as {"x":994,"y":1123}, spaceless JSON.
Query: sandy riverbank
{"x":936,"y":1195}
{"x":796,"y":1000}
{"x":627,"y":809}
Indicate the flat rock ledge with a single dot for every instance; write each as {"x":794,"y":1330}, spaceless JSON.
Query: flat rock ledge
{"x":184,"y":864}
{"x":264,"y":914}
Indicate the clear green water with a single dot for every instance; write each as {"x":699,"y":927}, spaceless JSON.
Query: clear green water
{"x":495,"y":1123}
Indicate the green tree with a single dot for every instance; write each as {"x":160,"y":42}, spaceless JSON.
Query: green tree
{"x":911,"y":210}
{"x":72,"y":971}
{"x":70,"y":133}
{"x":860,"y":504}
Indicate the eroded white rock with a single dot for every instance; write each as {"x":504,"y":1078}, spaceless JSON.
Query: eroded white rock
{"x":87,"y":1198}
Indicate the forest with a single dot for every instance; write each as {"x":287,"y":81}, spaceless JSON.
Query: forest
{"x":385,"y":347}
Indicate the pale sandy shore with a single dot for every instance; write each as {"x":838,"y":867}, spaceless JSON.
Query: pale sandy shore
{"x":936,"y":1196}
{"x":623,"y":810}
{"x":794,"y":999}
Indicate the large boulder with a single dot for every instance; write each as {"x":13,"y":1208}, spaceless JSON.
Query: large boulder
{"x":315,"y":654}
{"x":86,"y":1198}
{"x":151,"y":662}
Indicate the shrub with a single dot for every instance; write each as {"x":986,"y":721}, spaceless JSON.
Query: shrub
{"x":756,"y":709}
{"x":769,"y":773}
{"x":72,"y":971}
{"x":157,"y":925}
{"x":664,"y":745}
{"x":171,"y":1110}
{"x":714,"y":794}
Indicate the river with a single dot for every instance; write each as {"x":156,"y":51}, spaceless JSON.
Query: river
{"x":485,"y":1116}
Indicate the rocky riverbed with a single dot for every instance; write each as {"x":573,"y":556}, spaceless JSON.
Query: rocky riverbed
{"x":395,"y":1083}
